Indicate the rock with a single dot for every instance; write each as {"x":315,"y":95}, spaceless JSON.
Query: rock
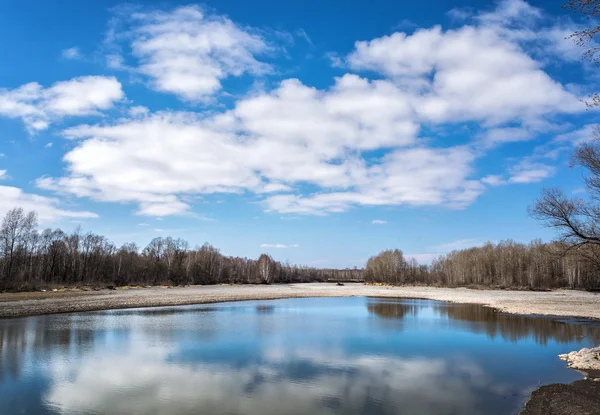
{"x":339,"y":284}
{"x":584,"y":359}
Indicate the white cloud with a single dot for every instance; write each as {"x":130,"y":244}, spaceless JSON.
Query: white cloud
{"x":453,"y":67}
{"x":416,"y":176}
{"x":187,"y":51}
{"x":48,"y":145}
{"x":378,"y":222}
{"x":306,"y":150}
{"x":511,"y":11}
{"x":530,"y":172}
{"x":3,"y":175}
{"x":138,"y":111}
{"x":48,"y":209}
{"x":493,"y":180}
{"x":71,"y":53}
{"x":543,"y":35}
{"x":586,"y":133}
{"x":37,"y":106}
{"x":263,"y":145}
{"x":498,"y":136}
{"x":279,"y":246}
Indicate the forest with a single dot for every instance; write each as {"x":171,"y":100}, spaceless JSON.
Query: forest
{"x":30,"y":260}
{"x":508,"y":264}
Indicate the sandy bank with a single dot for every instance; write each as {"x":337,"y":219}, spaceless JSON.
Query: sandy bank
{"x":560,"y":302}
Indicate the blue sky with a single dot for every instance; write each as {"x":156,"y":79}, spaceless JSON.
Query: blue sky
{"x":319,"y":132}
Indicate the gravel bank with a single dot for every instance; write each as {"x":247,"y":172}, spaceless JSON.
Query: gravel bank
{"x":560,"y":302}
{"x":578,"y":398}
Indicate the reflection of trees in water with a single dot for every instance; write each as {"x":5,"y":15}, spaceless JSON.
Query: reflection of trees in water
{"x":265,"y":309}
{"x":21,"y":338}
{"x":482,"y":319}
{"x":31,"y":339}
{"x":393,"y":309}
{"x":12,"y":347}
{"x":161,"y":311}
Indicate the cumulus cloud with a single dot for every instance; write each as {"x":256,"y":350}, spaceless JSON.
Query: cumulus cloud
{"x":133,"y":162}
{"x":416,"y":177}
{"x":454,"y":67}
{"x":306,"y":150}
{"x":3,"y":175}
{"x":279,"y":246}
{"x":37,"y":106}
{"x":263,"y":145}
{"x":187,"y":51}
{"x":48,"y":209}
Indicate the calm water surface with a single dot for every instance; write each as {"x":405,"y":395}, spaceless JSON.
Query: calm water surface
{"x":296,"y":356}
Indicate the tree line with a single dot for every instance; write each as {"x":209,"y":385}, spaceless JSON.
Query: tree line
{"x":32,"y":259}
{"x":508,"y":264}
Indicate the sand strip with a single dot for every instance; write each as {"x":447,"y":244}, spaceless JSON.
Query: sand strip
{"x":557,"y":303}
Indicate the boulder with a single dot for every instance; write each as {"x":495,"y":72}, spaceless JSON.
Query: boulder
{"x":584,"y":359}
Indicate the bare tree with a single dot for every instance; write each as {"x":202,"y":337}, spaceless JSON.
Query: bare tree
{"x":588,"y":38}
{"x":265,"y":268}
{"x":389,"y":267}
{"x":15,"y":232}
{"x":576,"y":220}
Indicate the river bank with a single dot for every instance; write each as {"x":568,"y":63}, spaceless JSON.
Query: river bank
{"x":557,"y":303}
{"x":578,"y":398}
